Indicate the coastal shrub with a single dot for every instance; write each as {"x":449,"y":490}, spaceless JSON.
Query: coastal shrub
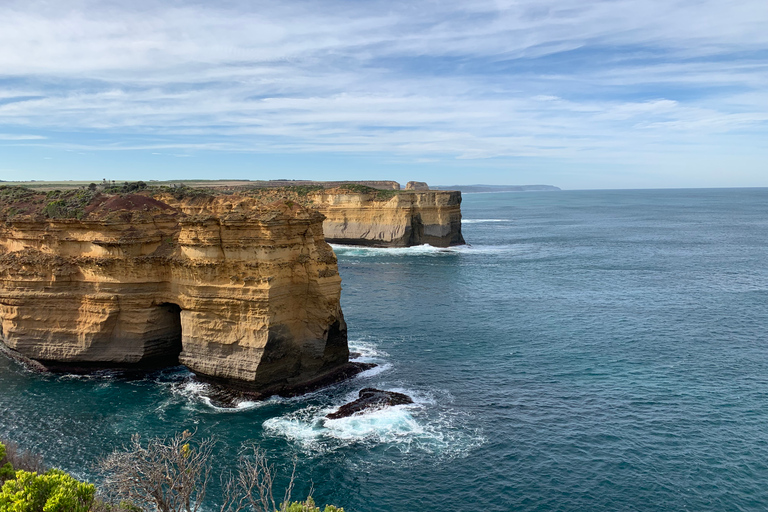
{"x":104,"y":506}
{"x":53,"y":491}
{"x":251,"y":487}
{"x":68,"y":205}
{"x":6,"y":468}
{"x":169,"y":474}
{"x":303,"y":190}
{"x":307,"y":506}
{"x":126,"y":188}
{"x":11,"y":194}
{"x":17,"y":458}
{"x":184,"y":192}
{"x":365,"y":189}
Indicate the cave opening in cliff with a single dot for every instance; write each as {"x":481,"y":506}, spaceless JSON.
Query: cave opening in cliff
{"x":166,"y":347}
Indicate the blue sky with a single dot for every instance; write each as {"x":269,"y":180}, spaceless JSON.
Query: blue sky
{"x":578,"y":94}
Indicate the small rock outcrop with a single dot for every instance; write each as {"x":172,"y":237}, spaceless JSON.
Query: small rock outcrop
{"x":370,"y":399}
{"x":416,"y":185}
{"x":242,"y":293}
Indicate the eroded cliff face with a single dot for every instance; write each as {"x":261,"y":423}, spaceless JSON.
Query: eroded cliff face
{"x":236,"y":290}
{"x":385,"y":219}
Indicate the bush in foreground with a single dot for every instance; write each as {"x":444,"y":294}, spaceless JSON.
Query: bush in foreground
{"x":53,"y":491}
{"x":171,"y":474}
{"x":27,"y":491}
{"x":164,"y":474}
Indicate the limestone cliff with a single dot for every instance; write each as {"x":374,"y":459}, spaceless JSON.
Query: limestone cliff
{"x":237,"y":290}
{"x":390,"y":219}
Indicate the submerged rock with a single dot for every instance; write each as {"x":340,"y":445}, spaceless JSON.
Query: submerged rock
{"x":370,"y":398}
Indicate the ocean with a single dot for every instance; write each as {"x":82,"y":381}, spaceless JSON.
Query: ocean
{"x":588,"y":351}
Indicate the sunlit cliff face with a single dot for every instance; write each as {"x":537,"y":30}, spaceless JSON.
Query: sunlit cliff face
{"x":238,"y":291}
{"x":386,"y":219}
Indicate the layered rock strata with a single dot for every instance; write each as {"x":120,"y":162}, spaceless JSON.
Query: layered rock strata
{"x":237,"y":291}
{"x":389,"y":219}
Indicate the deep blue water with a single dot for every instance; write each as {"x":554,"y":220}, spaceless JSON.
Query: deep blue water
{"x":591,"y":351}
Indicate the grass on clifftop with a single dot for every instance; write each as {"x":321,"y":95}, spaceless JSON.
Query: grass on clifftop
{"x":364,"y":189}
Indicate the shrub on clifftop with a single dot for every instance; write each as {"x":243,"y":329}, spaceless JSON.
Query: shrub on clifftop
{"x":52,"y":491}
{"x":68,"y":205}
{"x":171,"y":474}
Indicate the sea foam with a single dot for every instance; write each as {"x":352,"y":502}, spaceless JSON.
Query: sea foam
{"x":482,"y":221}
{"x":397,"y":252}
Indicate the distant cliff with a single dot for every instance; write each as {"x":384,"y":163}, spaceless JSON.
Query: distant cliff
{"x":236,"y":289}
{"x":388,"y":219}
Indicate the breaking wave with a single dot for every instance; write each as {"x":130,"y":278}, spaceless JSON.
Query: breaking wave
{"x":416,"y":250}
{"x":407,"y":428}
{"x":352,"y":252}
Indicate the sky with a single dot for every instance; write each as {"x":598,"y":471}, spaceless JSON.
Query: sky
{"x":577,"y":94}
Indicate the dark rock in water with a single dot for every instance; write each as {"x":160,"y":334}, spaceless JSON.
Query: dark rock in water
{"x":370,"y":398}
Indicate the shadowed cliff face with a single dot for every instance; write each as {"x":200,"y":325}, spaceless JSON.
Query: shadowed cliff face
{"x":235,"y":290}
{"x":390,"y":220}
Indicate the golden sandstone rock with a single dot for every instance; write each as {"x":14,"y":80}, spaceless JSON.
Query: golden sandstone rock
{"x":389,"y":219}
{"x":236,"y":290}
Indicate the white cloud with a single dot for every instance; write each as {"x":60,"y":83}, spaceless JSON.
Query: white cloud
{"x":12,"y":136}
{"x":468,"y":79}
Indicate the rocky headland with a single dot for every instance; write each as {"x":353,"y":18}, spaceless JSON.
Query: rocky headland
{"x":378,"y":219}
{"x":360,"y":214}
{"x":241,"y":290}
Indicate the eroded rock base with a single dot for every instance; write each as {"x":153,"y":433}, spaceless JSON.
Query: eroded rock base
{"x":225,"y":394}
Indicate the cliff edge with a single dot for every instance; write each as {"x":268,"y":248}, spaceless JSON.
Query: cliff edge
{"x":237,"y":290}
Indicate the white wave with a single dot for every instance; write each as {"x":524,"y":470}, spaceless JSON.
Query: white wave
{"x":428,"y":250}
{"x":404,"y":427}
{"x":368,"y":350}
{"x":481,"y":221}
{"x":376,"y":370}
{"x":194,"y":391}
{"x":416,"y":250}
{"x":95,"y":375}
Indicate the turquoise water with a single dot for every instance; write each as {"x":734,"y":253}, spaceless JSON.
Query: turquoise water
{"x":590,"y":351}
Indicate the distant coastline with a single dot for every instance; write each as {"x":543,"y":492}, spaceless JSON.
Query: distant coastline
{"x":497,"y":188}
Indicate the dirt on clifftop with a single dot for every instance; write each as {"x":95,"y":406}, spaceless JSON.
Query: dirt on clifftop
{"x":104,"y":205}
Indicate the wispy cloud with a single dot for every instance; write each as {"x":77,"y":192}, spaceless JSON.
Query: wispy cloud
{"x":527,"y":78}
{"x":12,"y":136}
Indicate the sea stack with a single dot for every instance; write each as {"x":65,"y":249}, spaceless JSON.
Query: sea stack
{"x":240,"y":292}
{"x":384,"y":218}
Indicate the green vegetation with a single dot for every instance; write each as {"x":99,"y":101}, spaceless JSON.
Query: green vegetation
{"x":125,"y":188}
{"x":30,"y":491}
{"x":183,"y":192}
{"x":365,"y":189}
{"x":303,"y":190}
{"x":10,"y":194}
{"x":169,"y":474}
{"x":53,"y":491}
{"x":69,"y":204}
{"x":309,"y":506}
{"x":6,"y":469}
